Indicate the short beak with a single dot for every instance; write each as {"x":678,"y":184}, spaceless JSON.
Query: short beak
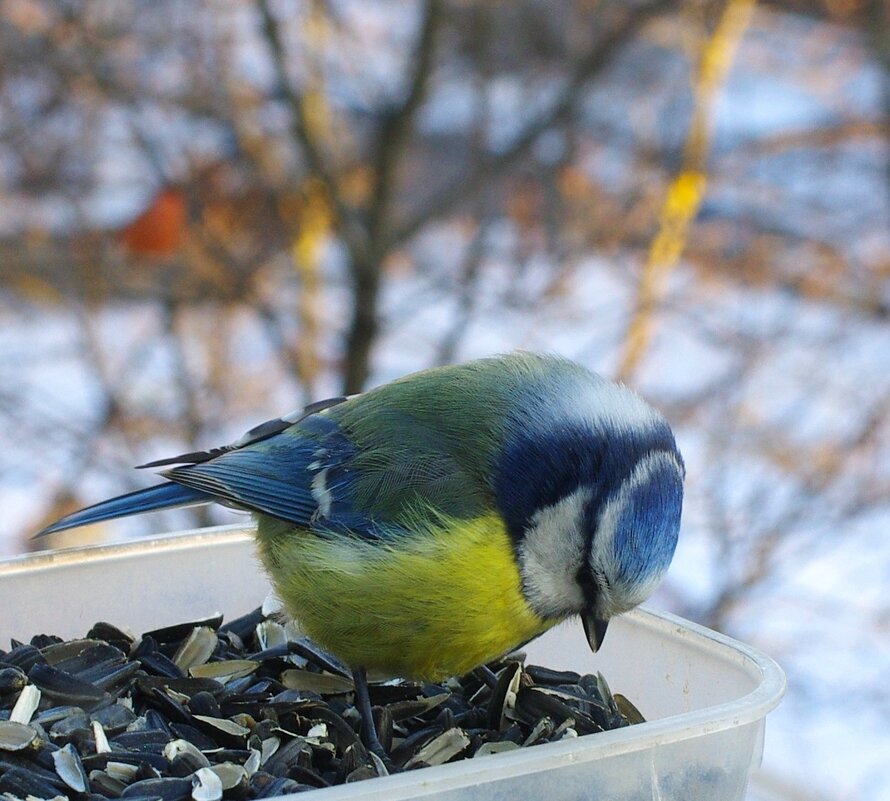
{"x":595,"y":629}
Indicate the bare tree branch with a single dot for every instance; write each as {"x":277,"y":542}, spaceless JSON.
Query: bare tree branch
{"x":367,"y":266}
{"x":397,"y":124}
{"x":482,"y":173}
{"x":345,"y":218}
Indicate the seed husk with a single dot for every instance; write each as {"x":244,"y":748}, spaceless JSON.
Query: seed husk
{"x":224,"y":725}
{"x":320,"y":683}
{"x":224,"y":671}
{"x":177,"y":632}
{"x":230,"y":775}
{"x":206,"y":785}
{"x":106,"y":632}
{"x":627,"y":710}
{"x":16,"y":736}
{"x":496,"y":747}
{"x":70,"y":768}
{"x":196,"y":649}
{"x":503,"y":694}
{"x":104,"y":784}
{"x":441,"y":749}
{"x":26,"y":705}
{"x":167,"y":789}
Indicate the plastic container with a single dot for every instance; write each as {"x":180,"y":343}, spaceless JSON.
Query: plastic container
{"x":705,"y":696}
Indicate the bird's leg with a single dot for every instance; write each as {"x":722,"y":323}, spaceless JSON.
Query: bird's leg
{"x":363,"y":703}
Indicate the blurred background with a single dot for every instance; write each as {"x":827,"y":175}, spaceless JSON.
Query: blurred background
{"x":214,"y":212}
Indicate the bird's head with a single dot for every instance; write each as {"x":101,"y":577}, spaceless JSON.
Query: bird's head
{"x":632,"y":536}
{"x":594,"y":509}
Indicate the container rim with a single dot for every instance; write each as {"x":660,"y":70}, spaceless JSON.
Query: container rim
{"x":171,"y":541}
{"x":747,"y":709}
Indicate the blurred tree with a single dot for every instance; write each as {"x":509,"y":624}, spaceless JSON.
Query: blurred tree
{"x":213,"y":211}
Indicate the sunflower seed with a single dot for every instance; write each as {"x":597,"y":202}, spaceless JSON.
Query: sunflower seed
{"x":263,"y":711}
{"x":12,"y":679}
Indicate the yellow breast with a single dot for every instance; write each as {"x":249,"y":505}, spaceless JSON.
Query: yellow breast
{"x":433,"y":604}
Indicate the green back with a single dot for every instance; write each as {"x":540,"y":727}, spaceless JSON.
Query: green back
{"x":431,"y":438}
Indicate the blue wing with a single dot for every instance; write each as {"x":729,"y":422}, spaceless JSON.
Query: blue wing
{"x":301,"y":475}
{"x":307,"y":470}
{"x":294,"y":469}
{"x":162,"y":496}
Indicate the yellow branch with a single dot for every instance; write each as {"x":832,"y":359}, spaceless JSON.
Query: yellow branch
{"x":685,"y":193}
{"x":315,"y":225}
{"x":316,"y":214}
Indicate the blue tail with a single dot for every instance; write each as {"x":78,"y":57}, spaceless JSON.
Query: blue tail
{"x":163,"y":496}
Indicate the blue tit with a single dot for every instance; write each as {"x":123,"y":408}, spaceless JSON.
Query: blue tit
{"x":435,"y":523}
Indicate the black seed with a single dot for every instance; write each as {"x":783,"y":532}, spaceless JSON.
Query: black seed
{"x":43,"y":640}
{"x":24,"y":657}
{"x":64,"y":687}
{"x":12,"y":679}
{"x":157,"y":664}
{"x":244,"y":626}
{"x":543,"y":675}
{"x":194,"y":736}
{"x":179,"y":631}
{"x":21,"y":782}
{"x":114,"y":718}
{"x":75,"y":720}
{"x":149,"y":741}
{"x":112,"y":635}
{"x":204,"y":703}
{"x":184,"y":686}
{"x":169,"y":789}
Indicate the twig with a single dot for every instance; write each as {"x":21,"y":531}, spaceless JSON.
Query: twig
{"x":353,"y":234}
{"x":367,"y":266}
{"x":493,"y":165}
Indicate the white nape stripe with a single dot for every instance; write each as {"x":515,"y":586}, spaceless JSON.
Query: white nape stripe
{"x":614,"y":407}
{"x":604,"y":559}
{"x":550,"y":555}
{"x":594,"y":402}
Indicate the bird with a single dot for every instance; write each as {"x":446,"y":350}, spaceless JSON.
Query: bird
{"x":437,"y":522}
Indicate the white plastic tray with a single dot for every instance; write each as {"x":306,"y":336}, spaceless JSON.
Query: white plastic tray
{"x":705,"y":696}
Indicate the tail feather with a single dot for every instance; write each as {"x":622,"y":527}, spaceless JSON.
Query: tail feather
{"x":162,"y":496}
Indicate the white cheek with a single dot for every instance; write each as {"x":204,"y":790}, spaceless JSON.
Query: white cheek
{"x":551,"y":554}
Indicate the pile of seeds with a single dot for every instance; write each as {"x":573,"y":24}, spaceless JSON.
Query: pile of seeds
{"x":252,"y":709}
